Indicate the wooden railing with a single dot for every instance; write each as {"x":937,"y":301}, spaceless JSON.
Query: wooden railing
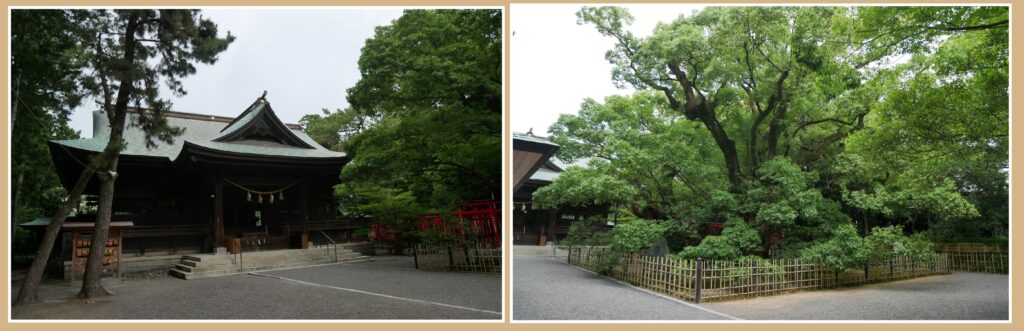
{"x":976,"y":257}
{"x":477,"y":258}
{"x":702,"y":280}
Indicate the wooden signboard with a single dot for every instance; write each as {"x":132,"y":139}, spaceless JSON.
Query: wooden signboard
{"x":82,"y":244}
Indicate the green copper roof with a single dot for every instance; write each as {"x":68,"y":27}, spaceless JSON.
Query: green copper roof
{"x":200,"y":130}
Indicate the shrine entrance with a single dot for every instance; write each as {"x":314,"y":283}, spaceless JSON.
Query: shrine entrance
{"x":261,"y":216}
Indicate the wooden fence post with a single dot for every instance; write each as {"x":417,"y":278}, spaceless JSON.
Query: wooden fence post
{"x":891,"y":273}
{"x":698,"y":285}
{"x":666,"y":270}
{"x":451,"y":260}
{"x":415,"y":257}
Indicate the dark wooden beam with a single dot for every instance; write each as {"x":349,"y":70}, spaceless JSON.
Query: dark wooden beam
{"x":218,"y":211}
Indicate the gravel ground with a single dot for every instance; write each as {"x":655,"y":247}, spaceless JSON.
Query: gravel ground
{"x":261,"y":297}
{"x":477,"y":291}
{"x":547,"y":289}
{"x":959,"y":296}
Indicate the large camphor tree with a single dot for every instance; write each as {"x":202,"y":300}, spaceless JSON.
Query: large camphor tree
{"x":798,"y":120}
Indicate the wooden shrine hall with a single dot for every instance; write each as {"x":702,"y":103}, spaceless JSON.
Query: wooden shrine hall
{"x":246,"y":183}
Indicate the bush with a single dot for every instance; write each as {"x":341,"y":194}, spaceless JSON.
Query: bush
{"x":737,"y":239}
{"x":636,"y":235}
{"x":844,"y":251}
{"x":586,"y":232}
{"x":711,"y":248}
{"x":603,"y":262}
{"x":888,"y":242}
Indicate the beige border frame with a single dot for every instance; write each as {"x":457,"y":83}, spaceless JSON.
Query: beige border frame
{"x":1015,"y":192}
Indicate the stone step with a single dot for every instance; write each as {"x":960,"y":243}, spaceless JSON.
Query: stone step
{"x":210,"y":265}
{"x":246,"y":263}
{"x":183,"y":274}
{"x":273,"y":253}
{"x":259,"y":259}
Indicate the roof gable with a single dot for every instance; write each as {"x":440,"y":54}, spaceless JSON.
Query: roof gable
{"x":258,"y":123}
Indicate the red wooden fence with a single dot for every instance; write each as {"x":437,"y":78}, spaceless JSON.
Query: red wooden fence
{"x":481,"y":219}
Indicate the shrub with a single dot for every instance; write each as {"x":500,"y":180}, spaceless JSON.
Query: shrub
{"x":737,"y":239}
{"x":636,"y":235}
{"x":844,"y":251}
{"x":888,"y":242}
{"x":586,"y":232}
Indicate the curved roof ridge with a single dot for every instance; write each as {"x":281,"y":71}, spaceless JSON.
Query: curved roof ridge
{"x":261,"y":109}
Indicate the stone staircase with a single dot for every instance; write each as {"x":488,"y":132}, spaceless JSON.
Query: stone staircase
{"x":211,"y":265}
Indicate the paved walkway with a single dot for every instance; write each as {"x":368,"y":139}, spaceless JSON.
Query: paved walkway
{"x":548,"y":289}
{"x":384,"y":289}
{"x":959,"y":296}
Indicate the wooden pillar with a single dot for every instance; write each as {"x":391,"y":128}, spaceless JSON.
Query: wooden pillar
{"x":218,"y":212}
{"x":303,"y":189}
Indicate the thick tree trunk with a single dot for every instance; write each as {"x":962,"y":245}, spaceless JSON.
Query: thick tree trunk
{"x":14,"y":202}
{"x":728,"y":148}
{"x":696,"y":107}
{"x":30,"y":287}
{"x":91,"y":286}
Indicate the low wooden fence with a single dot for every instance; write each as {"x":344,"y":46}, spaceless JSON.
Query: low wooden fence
{"x":479,"y":258}
{"x":701,"y":280}
{"x":977,"y":257}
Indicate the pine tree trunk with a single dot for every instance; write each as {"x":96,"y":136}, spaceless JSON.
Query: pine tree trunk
{"x":29,"y":288}
{"x":91,"y":285}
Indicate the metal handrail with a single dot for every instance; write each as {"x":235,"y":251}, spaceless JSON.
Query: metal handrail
{"x":252,"y":243}
{"x":332,"y":243}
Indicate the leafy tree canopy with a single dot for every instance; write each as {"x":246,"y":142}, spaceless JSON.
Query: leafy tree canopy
{"x":428,"y":108}
{"x":801,"y":121}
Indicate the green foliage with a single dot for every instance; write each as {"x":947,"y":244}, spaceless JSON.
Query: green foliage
{"x":587,"y":232}
{"x":427,"y":109}
{"x":166,"y":46}
{"x":888,"y":242}
{"x":797,"y":121}
{"x":46,"y":65}
{"x":711,"y":248}
{"x":737,"y":239}
{"x":332,"y":129}
{"x":579,"y":186}
{"x":636,"y":235}
{"x":844,"y":251}
{"x":390,"y":207}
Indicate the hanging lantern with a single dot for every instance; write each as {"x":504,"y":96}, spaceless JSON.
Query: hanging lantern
{"x":261,"y":198}
{"x":248,"y":196}
{"x":271,"y":198}
{"x":280,"y":195}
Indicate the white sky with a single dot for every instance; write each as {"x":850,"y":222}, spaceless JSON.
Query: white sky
{"x":557,"y":63}
{"x":304,"y":58}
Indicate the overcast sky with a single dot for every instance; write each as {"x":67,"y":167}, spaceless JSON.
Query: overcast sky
{"x":304,"y":58}
{"x":557,"y":63}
